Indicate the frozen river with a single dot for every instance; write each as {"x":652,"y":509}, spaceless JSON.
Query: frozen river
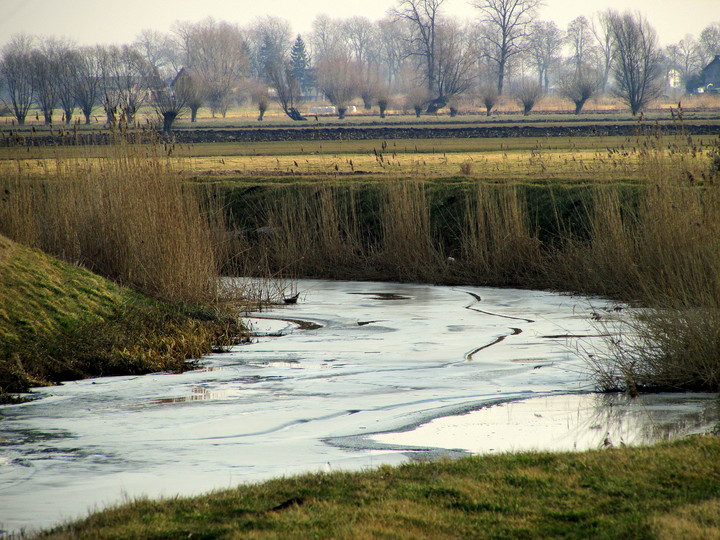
{"x":355,"y":375}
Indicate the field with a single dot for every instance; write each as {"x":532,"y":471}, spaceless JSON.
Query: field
{"x":592,"y":160}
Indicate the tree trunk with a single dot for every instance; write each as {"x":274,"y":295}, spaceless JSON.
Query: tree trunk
{"x":68,"y":116}
{"x":341,"y":112}
{"x":501,"y":77}
{"x":418,"y":111}
{"x":168,"y":119}
{"x":383,"y":108}
{"x":193,"y":112}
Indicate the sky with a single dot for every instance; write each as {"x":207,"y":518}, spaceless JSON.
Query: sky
{"x":89,"y":22}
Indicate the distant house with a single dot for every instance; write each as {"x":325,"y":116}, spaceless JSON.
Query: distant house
{"x":710,"y":76}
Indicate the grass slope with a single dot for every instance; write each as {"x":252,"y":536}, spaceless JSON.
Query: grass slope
{"x":59,"y":322}
{"x":666,"y":491}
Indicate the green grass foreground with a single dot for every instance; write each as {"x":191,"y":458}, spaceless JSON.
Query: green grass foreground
{"x":59,"y":322}
{"x":665,"y":491}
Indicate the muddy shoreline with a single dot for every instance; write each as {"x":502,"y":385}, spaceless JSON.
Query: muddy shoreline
{"x":309,"y":132}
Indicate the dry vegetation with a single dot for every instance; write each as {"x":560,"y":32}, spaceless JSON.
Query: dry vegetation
{"x":124,"y":215}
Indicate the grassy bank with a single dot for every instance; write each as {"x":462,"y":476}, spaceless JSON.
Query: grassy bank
{"x":666,"y":491}
{"x":126,"y":217}
{"x":59,"y":322}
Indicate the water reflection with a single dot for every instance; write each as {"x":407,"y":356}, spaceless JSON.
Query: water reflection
{"x":566,"y":423}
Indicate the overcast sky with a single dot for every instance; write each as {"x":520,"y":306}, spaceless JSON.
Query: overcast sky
{"x":111,"y":21}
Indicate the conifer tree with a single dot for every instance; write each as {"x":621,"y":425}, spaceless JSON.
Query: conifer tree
{"x":300,"y":64}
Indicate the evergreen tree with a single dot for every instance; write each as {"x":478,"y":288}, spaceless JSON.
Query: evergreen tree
{"x":300,"y":64}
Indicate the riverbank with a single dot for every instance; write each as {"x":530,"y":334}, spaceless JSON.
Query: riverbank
{"x":59,"y":322}
{"x":664,"y":491}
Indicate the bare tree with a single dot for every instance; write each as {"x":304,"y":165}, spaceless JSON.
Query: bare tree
{"x":383,"y":98}
{"x":391,"y":41}
{"x":489,"y":97}
{"x":218,"y":54}
{"x":601,"y":27}
{"x":127,"y":77}
{"x":160,"y":51}
{"x":417,"y":99}
{"x":544,"y":45}
{"x":683,"y":57}
{"x":287,"y":88}
{"x":579,"y":83}
{"x":455,"y":63}
{"x":45,"y":65}
{"x":360,"y":35}
{"x":67,"y":81}
{"x":327,"y":37}
{"x":260,"y":96}
{"x":338,"y":78}
{"x":505,"y":23}
{"x":89,"y":80}
{"x":636,"y":61}
{"x":424,"y":18}
{"x":191,"y":89}
{"x":528,"y":92}
{"x":16,"y":74}
{"x":710,"y":42}
{"x":168,"y":100}
{"x":369,"y":82}
{"x":580,"y":39}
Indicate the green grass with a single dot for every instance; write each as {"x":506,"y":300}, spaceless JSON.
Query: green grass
{"x":670,"y":490}
{"x":509,"y":160}
{"x":59,"y":321}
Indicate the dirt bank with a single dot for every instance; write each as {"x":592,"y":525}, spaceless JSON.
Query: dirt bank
{"x":308,"y":132}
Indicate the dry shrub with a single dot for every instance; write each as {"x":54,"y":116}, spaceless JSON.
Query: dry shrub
{"x":605,"y":262}
{"x":668,"y":258}
{"x":127,"y":217}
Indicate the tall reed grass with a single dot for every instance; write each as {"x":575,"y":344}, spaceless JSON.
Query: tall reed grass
{"x":126,"y":216}
{"x":665,"y":253}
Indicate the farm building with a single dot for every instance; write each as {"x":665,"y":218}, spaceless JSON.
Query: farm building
{"x":710,"y":75}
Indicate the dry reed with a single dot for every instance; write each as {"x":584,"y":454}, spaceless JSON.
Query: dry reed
{"x":125,"y":216}
{"x":498,"y":246}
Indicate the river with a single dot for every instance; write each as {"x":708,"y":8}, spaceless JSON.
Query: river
{"x":355,"y":375}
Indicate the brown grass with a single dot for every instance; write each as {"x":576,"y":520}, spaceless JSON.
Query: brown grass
{"x":125,"y":216}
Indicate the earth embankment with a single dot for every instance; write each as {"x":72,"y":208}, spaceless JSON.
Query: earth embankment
{"x":309,"y":132}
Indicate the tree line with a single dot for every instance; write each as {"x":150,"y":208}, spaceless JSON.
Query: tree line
{"x":417,"y":51}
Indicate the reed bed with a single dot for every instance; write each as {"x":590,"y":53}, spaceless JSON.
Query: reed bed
{"x":125,"y":216}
